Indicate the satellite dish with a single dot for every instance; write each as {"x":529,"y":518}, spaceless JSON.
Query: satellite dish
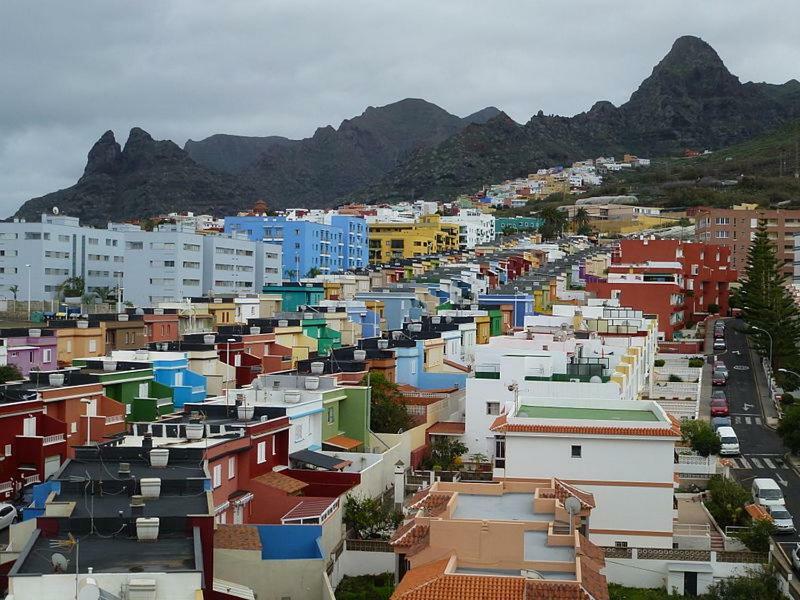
{"x":59,"y":562}
{"x":573,"y":505}
{"x":56,"y":210}
{"x":89,"y":591}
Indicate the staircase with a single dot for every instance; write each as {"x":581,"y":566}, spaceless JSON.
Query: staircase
{"x":717,"y":541}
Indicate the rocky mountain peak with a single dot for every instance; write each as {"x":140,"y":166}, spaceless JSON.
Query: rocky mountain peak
{"x":105,"y":156}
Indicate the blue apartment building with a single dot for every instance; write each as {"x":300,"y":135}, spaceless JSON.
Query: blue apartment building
{"x":309,"y":246}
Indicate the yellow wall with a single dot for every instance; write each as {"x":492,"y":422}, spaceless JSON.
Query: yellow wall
{"x":427,"y":236}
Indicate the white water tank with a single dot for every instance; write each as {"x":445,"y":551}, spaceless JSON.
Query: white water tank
{"x":109,"y":365}
{"x":291,"y":396}
{"x":82,"y":324}
{"x":255,"y":330}
{"x":150,"y":486}
{"x":359,"y":355}
{"x":311,"y":383}
{"x":56,"y":379}
{"x":317,"y":368}
{"x":245,"y":412}
{"x":147,"y":528}
{"x":159,"y":457}
{"x":194,"y":431}
{"x":209,"y":339}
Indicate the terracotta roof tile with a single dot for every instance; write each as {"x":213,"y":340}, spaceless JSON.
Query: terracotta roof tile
{"x":409,"y":534}
{"x":504,"y":426}
{"x":587,"y":548}
{"x":565,"y":490}
{"x":592,"y":581}
{"x":417,"y":577}
{"x":499,"y":422}
{"x":344,"y":442}
{"x":310,"y":508}
{"x":447,"y":428}
{"x":281,"y":482}
{"x":237,"y":537}
{"x":540,"y":589}
{"x":434,"y":503}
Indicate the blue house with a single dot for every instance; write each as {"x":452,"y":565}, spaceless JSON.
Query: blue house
{"x":307,"y":245}
{"x":174,"y":372}
{"x":399,"y":306}
{"x":523,"y":304}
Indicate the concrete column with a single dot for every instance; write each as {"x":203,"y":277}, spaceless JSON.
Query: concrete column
{"x":399,"y":483}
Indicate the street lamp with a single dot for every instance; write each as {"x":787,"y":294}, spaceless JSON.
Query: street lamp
{"x":88,"y":404}
{"x":29,"y":291}
{"x":770,"y":341}
{"x":795,"y":373}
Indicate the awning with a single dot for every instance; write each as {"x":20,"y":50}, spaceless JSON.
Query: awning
{"x":321,"y":461}
{"x":240,"y":497}
{"x":281,"y":482}
{"x":343,"y":442}
{"x":454,"y":428}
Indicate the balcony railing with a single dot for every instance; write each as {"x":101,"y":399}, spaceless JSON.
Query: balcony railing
{"x":113,"y":419}
{"x":53,"y":439}
{"x":6,"y":486}
{"x":32,"y":479}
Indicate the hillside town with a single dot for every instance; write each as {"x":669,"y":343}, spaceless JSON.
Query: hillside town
{"x":271,"y":405}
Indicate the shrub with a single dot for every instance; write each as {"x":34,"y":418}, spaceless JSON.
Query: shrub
{"x":787,"y":398}
{"x":659,"y":362}
{"x":713,"y":308}
{"x":675,"y":378}
{"x":700,"y":436}
{"x":759,"y":583}
{"x":696,"y":363}
{"x":789,"y":427}
{"x":757,"y":536}
{"x":366,"y":587}
{"x":9,"y":373}
{"x":370,"y":518}
{"x":726,"y":501}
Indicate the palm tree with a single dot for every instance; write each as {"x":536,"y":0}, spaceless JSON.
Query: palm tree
{"x":72,"y":287}
{"x":554,"y":222}
{"x":14,"y":289}
{"x":105,"y":294}
{"x":581,"y":222}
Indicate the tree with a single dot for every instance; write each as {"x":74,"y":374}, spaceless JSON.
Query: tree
{"x":14,"y":289}
{"x":757,"y":536}
{"x":370,"y":517}
{"x":581,"y":222}
{"x":701,"y":437}
{"x":767,"y":305}
{"x":726,"y":501}
{"x":9,"y":373}
{"x":758,"y":583}
{"x":789,"y":428}
{"x":313,"y":272}
{"x":388,"y":414}
{"x":72,"y":287}
{"x":106,"y":294}
{"x":554,"y":222}
{"x":446,"y":452}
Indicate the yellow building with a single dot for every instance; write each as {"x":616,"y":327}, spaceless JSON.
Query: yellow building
{"x":429,"y":235}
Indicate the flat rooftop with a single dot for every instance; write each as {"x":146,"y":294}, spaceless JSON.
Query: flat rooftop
{"x":562,"y":575}
{"x":536,"y":548}
{"x":508,"y":507}
{"x":114,"y":555}
{"x":111,"y":506}
{"x":109,"y":469}
{"x":586,"y":414}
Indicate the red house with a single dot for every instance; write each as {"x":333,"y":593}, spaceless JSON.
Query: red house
{"x":681,"y":282}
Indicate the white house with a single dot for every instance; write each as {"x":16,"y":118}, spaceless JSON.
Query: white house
{"x":620,"y":451}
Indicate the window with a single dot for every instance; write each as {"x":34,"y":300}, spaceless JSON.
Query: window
{"x":217,"y":475}
{"x":191,"y":247}
{"x":92,"y":345}
{"x":134,"y":245}
{"x":73,"y":428}
{"x":500,"y":452}
{"x":93,"y":241}
{"x":47,"y":355}
{"x":7,"y":450}
{"x":493,"y":408}
{"x":298,"y":432}
{"x":231,"y":467}
{"x":331,"y":415}
{"x":169,"y":263}
{"x":723,"y":234}
{"x":33,"y":235}
{"x":273,"y":445}
{"x":262,"y":452}
{"x":191,"y":264}
{"x":576,"y":452}
{"x":620,"y":544}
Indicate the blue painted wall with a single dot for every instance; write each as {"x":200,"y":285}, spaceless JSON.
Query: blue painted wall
{"x":411,"y":370}
{"x":192,"y":387}
{"x":522,"y":303}
{"x":282,"y":542}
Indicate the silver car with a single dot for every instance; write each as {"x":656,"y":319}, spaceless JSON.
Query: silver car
{"x":782,"y":519}
{"x":8,"y":514}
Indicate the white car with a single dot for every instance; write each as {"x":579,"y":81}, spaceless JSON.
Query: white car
{"x":795,"y":554}
{"x":8,"y":515}
{"x":782,"y":519}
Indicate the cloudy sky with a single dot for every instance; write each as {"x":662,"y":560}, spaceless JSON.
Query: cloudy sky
{"x":187,"y":68}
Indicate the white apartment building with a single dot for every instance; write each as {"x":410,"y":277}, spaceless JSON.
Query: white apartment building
{"x":54,"y":249}
{"x":475,"y":227}
{"x":167,"y":264}
{"x":622,"y":452}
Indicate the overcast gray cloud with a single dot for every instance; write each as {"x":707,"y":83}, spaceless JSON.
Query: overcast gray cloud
{"x":190,"y":68}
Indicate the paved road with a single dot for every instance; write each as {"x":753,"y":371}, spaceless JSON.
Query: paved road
{"x":762,"y":450}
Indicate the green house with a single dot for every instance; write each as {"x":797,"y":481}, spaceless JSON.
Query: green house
{"x":345,"y":419}
{"x":144,"y":398}
{"x":296,"y":294}
{"x":495,"y":321}
{"x":327,"y":337}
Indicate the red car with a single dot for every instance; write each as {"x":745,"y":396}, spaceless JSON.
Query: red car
{"x":719,"y":408}
{"x":719,"y":378}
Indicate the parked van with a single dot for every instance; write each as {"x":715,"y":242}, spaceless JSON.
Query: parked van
{"x":729,"y":441}
{"x":766,"y":492}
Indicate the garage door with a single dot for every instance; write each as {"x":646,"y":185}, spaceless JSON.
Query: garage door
{"x":51,"y":465}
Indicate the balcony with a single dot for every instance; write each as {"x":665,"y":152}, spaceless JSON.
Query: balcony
{"x":32,"y":479}
{"x":6,"y":487}
{"x":113,"y":419}
{"x":48,"y":440}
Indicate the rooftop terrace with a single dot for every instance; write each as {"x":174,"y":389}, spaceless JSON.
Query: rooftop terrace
{"x":508,"y":507}
{"x":586,"y":414}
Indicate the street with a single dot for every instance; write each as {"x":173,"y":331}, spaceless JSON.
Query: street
{"x":762,"y":450}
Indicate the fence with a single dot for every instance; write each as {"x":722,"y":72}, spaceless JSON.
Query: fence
{"x":368,"y":546}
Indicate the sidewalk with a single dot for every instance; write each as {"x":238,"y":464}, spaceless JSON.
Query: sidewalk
{"x":767,"y":407}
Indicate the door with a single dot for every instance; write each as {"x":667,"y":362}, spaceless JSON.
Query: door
{"x":690,"y":583}
{"x":51,"y":465}
{"x":238,"y":514}
{"x":29,"y":426}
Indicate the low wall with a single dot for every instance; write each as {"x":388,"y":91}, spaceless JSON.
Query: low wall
{"x":683,"y":347}
{"x":354,"y":563}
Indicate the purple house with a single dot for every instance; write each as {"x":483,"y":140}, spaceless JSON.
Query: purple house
{"x":30,"y":349}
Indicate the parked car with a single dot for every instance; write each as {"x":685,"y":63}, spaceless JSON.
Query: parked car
{"x":795,"y":553}
{"x":718,"y":422}
{"x":719,"y":378}
{"x":8,"y":514}
{"x":767,"y":492}
{"x":719,"y":334}
{"x":720,"y":366}
{"x":729,"y":443}
{"x":782,"y":519}
{"x":719,"y":395}
{"x":719,"y":408}
{"x":719,"y":345}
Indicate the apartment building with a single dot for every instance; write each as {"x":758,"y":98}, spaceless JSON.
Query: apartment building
{"x":734,"y":228}
{"x":475,"y":227}
{"x":681,"y":282}
{"x":428,"y":235}
{"x":54,"y":249}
